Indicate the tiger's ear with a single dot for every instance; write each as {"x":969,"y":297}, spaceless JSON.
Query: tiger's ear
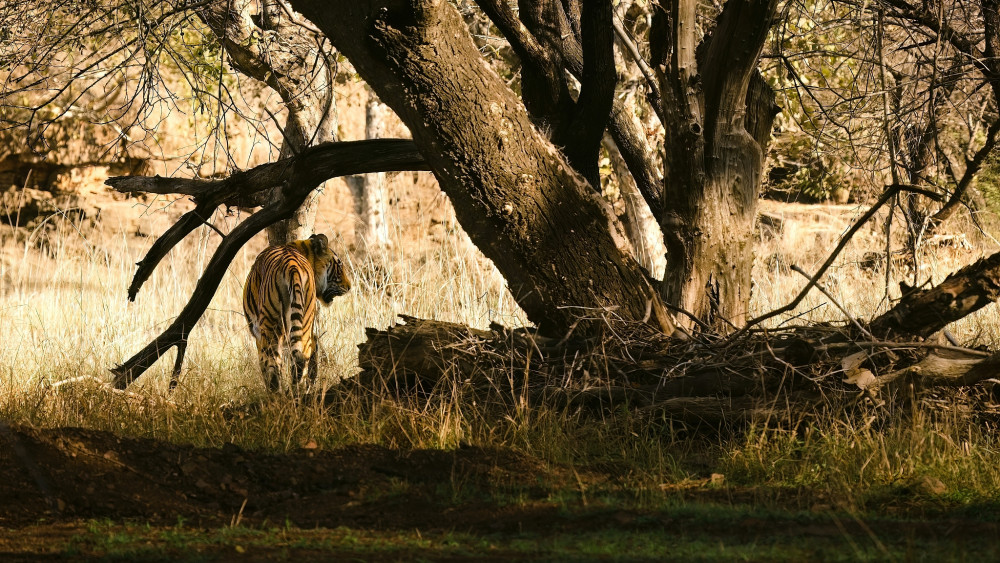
{"x":319,"y":242}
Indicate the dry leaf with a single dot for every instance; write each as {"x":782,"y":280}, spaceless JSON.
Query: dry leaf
{"x":853,"y":362}
{"x":861,"y":377}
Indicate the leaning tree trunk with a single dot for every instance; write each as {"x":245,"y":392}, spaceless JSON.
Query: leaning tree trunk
{"x":275,"y":48}
{"x":557,"y":243}
{"x":369,"y":190}
{"x":717,"y":127}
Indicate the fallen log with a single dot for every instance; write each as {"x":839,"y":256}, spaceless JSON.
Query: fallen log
{"x":772,"y":377}
{"x":941,"y":369}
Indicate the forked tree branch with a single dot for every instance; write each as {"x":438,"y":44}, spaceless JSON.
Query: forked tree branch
{"x":906,"y":11}
{"x":521,"y":40}
{"x":169,"y":239}
{"x":297,"y":175}
{"x":319,"y":163}
{"x":628,"y":137}
{"x":177,"y":333}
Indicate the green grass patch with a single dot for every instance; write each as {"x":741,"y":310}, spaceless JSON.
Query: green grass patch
{"x":684,"y":532}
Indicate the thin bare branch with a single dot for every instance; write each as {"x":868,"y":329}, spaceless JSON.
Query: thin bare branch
{"x":651,"y":82}
{"x":886,"y":196}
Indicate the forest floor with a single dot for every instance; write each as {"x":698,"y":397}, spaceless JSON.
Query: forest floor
{"x":75,"y":494}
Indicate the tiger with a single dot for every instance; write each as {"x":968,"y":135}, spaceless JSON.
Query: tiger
{"x":279,"y":301}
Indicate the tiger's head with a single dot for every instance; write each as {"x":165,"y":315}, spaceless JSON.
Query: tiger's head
{"x":332,"y":279}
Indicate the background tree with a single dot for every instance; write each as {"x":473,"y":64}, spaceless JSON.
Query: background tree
{"x":113,"y":62}
{"x":266,"y":40}
{"x":897,"y":93}
{"x":369,"y":190}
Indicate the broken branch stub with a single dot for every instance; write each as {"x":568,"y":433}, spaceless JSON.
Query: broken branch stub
{"x":925,"y":312}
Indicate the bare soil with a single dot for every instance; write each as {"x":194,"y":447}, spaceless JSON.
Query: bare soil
{"x":73,"y":474}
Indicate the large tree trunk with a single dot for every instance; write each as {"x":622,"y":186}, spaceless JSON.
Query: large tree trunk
{"x":276,"y":49}
{"x":717,"y":127}
{"x":555,"y":240}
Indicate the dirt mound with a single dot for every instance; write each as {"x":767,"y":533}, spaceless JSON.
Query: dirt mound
{"x":72,"y":474}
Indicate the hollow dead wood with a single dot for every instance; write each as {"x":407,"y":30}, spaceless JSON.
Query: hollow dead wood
{"x":922,"y":313}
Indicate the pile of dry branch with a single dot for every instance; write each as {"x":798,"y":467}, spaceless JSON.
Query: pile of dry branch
{"x":758,"y":376}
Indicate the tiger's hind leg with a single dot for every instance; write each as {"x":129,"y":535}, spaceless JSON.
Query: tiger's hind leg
{"x":314,"y":361}
{"x":270,"y":352}
{"x":302,"y":345}
{"x":304,"y":366}
{"x":306,"y":372}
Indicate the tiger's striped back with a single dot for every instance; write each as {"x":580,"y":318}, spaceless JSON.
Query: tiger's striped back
{"x":279,"y":301}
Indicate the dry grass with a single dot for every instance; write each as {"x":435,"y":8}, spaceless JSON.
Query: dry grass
{"x":812,"y":231}
{"x":64,"y":316}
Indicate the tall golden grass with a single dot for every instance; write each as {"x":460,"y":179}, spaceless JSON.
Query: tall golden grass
{"x":65,"y":320}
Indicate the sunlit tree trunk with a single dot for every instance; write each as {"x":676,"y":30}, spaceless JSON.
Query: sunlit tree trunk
{"x":369,"y":190}
{"x":717,"y":126}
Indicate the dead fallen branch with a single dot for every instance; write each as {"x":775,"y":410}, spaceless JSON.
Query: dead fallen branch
{"x":780,"y":376}
{"x":941,"y":370}
{"x":924,"y":312}
{"x":298,"y":176}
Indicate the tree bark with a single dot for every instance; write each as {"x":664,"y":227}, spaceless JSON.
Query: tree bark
{"x":557,"y":243}
{"x":713,"y":161}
